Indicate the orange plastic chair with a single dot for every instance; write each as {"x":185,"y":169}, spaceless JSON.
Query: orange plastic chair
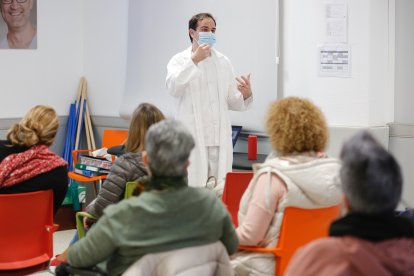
{"x":234,"y":187}
{"x":26,"y":234}
{"x":110,"y":138}
{"x":299,"y":227}
{"x":114,"y":137}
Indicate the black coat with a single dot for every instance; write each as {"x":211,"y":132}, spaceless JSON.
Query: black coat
{"x":56,"y":179}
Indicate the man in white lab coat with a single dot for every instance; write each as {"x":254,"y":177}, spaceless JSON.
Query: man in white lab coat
{"x":203,"y":82}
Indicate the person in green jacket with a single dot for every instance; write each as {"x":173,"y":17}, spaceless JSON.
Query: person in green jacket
{"x":168,"y":215}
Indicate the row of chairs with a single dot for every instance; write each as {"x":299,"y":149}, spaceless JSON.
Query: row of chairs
{"x":17,"y":236}
{"x":27,"y":238}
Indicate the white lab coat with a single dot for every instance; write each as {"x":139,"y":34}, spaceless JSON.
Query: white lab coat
{"x":184,"y":83}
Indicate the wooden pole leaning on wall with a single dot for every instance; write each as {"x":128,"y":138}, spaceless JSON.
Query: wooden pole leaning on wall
{"x":88,"y":118}
{"x":85,"y":121}
{"x":88,"y":124}
{"x":79,"y":94}
{"x":84,"y":117}
{"x":79,"y":111}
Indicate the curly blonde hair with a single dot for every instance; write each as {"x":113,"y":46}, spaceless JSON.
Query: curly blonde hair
{"x":39,"y":126}
{"x":296,"y":125}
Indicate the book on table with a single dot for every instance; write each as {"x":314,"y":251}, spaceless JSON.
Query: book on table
{"x":101,"y":163}
{"x":92,"y":166}
{"x":89,"y":173}
{"x":87,"y":167}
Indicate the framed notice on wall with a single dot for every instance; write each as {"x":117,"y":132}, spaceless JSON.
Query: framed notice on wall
{"x":18,"y":24}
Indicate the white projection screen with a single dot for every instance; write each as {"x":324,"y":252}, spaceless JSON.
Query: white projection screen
{"x":247,"y":33}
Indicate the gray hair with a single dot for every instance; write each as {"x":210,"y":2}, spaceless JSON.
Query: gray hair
{"x":371,"y":177}
{"x":168,"y":145}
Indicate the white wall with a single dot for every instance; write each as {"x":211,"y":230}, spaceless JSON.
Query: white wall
{"x":402,"y":146}
{"x":363,"y":99}
{"x":90,"y":38}
{"x":404,"y":61}
{"x":247,"y":36}
{"x":381,"y":38}
{"x":105,"y":27}
{"x":402,"y":131}
{"x":366,"y":99}
{"x":48,"y":75}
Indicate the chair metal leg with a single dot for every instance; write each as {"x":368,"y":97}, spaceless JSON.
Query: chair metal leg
{"x":100,"y":184}
{"x":95,"y":191}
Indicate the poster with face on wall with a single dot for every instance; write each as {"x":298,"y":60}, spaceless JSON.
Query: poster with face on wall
{"x":18,"y":24}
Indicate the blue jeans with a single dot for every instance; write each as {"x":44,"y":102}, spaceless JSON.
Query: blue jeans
{"x":74,"y":239}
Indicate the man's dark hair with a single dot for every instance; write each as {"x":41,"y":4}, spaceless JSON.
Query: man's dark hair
{"x":192,"y":24}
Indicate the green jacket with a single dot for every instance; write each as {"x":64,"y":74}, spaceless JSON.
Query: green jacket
{"x":155,"y":221}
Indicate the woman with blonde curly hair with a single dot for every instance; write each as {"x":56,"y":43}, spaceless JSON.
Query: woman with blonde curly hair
{"x":26,"y":162}
{"x":300,"y":175}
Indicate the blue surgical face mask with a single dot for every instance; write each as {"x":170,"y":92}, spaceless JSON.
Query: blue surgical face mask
{"x":206,"y":37}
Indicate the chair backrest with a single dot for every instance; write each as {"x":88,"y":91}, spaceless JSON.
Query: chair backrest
{"x":209,"y":259}
{"x":299,"y":227}
{"x":113,"y":137}
{"x":234,"y":187}
{"x":129,"y":189}
{"x":26,"y":233}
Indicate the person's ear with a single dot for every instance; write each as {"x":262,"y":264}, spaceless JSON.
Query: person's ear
{"x":186,"y":166}
{"x":346,"y":202}
{"x":193,"y":34}
{"x":144,"y":156}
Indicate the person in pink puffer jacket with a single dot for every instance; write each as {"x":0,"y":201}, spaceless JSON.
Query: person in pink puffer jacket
{"x":298,"y":175}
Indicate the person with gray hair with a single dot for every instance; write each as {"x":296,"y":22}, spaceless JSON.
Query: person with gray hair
{"x":370,"y":239}
{"x":167,"y":215}
{"x":371,"y":177}
{"x":168,"y":146}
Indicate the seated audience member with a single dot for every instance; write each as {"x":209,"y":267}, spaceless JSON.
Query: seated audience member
{"x":129,"y":166}
{"x":27,"y":164}
{"x":370,"y":239}
{"x":167,"y":215}
{"x":300,"y":175}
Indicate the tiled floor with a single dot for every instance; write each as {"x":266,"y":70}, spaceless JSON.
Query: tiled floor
{"x":61,"y":241}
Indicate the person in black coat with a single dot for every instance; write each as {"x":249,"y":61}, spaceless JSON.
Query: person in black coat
{"x":26,"y":162}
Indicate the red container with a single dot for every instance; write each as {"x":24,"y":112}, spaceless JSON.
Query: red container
{"x":252,"y":147}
